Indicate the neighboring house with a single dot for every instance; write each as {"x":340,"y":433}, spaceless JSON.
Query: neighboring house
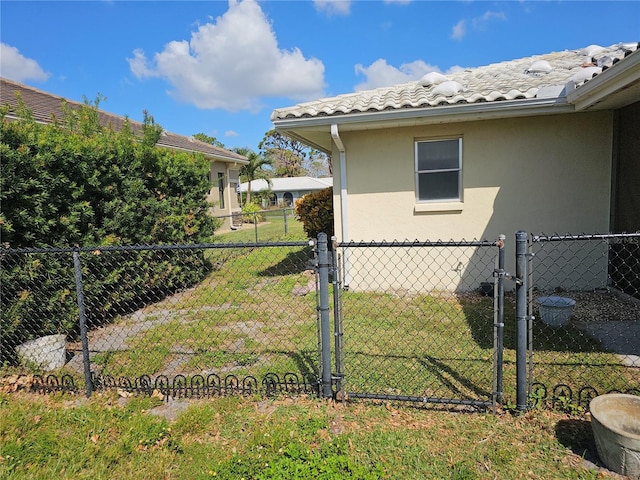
{"x":285,"y":191}
{"x":547,"y":143}
{"x":225,"y":165}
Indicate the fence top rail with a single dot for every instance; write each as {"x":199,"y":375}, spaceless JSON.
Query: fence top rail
{"x":258,"y":212}
{"x":112,"y":248}
{"x":418,"y":243}
{"x":583,"y":236}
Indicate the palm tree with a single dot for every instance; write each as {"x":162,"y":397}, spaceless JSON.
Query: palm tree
{"x":254,"y":170}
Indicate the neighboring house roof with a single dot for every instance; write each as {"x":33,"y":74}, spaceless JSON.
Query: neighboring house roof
{"x":289,"y":184}
{"x":537,"y":84}
{"x":44,"y":106}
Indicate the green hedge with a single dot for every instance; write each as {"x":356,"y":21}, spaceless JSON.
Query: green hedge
{"x":77,"y":183}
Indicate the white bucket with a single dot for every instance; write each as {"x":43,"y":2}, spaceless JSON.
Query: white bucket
{"x":555,"y":311}
{"x":47,"y":353}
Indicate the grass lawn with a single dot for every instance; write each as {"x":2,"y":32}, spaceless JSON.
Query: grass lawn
{"x":111,"y":437}
{"x":243,"y":319}
{"x":272,"y":228}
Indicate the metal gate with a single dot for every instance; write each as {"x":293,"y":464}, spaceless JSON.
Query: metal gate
{"x":415,"y":321}
{"x":582,"y":313}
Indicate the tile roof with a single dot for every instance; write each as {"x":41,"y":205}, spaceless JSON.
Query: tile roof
{"x":44,"y":106}
{"x":539,"y":76}
{"x":289,"y":184}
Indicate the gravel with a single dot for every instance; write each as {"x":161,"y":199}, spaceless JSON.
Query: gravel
{"x":599,"y":306}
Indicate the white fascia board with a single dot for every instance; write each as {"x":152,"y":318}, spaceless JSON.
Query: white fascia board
{"x":10,"y":116}
{"x":208,"y":156}
{"x":614,"y":79}
{"x":445,"y":114}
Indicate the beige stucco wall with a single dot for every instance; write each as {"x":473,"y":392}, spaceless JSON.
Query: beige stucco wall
{"x":547,"y":174}
{"x":231,"y":203}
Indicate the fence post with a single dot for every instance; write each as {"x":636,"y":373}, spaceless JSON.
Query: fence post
{"x":499,"y":319}
{"x":521,"y":320}
{"x":325,"y":331}
{"x":337,"y":314}
{"x":83,"y":322}
{"x":286,"y":227}
{"x":255,"y":225}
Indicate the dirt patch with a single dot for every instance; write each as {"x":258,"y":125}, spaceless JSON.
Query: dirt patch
{"x":171,"y":408}
{"x":117,"y":336}
{"x":602,"y":306}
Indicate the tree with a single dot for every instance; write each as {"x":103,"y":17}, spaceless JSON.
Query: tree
{"x":318,"y":164}
{"x":285,"y":154}
{"x":208,"y":139}
{"x":254,"y":170}
{"x":292,"y":158}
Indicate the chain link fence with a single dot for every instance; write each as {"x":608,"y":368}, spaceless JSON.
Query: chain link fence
{"x":181,"y":319}
{"x":426,"y":322}
{"x":418,"y":321}
{"x":584,"y":317}
{"x":261,"y":225}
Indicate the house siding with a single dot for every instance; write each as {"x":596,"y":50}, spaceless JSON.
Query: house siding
{"x":548,"y":174}
{"x":231,"y":203}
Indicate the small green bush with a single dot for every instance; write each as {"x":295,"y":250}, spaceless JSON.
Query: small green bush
{"x":316,"y":212}
{"x":250,"y":213}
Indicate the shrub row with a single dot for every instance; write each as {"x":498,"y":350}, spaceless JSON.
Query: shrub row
{"x":75,"y":182}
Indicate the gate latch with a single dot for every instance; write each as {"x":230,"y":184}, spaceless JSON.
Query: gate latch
{"x":507,"y":275}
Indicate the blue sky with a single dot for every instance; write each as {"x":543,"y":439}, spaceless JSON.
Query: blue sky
{"x":221,"y":67}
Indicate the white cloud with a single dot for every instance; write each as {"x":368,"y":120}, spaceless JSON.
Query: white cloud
{"x":232,"y":63}
{"x":231,"y":133}
{"x":333,"y":7}
{"x":138,"y":65}
{"x":381,"y":74}
{"x":480,"y":23}
{"x":459,"y":30}
{"x":17,"y":67}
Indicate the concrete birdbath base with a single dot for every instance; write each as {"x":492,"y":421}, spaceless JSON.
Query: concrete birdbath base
{"x":47,"y":353}
{"x":615,"y":421}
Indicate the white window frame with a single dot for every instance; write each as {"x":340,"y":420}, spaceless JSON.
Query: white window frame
{"x":418,"y":173}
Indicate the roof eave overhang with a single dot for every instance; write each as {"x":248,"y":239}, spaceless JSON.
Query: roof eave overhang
{"x":297,"y":127}
{"x":615,"y":86}
{"x":209,"y":156}
{"x":15,"y":118}
{"x":302,"y":139}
